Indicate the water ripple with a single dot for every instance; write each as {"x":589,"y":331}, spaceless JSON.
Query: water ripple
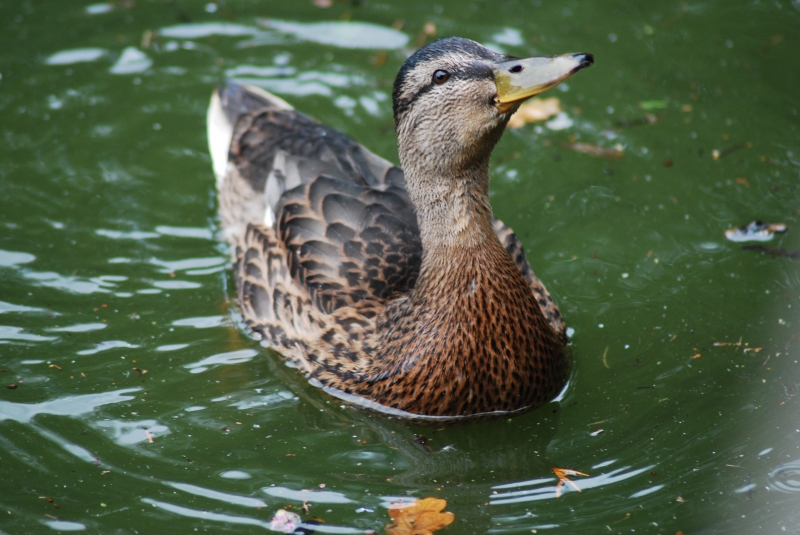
{"x":104,"y":346}
{"x":129,"y":433}
{"x":203,"y":322}
{"x":15,"y":333}
{"x":548,"y":490}
{"x":232,"y":499}
{"x":314,"y":496}
{"x":231,"y":357}
{"x":79,"y":328}
{"x":785,"y":478}
{"x":233,"y":519}
{"x":11,"y":307}
{"x":63,"y":525}
{"x":12,"y":258}
{"x":64,"y":406}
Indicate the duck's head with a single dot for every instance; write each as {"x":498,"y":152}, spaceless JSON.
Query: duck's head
{"x":453,"y":98}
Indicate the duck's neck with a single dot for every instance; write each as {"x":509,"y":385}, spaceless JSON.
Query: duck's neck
{"x":453,"y":210}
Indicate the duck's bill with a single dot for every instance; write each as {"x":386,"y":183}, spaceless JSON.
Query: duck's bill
{"x":521,"y":79}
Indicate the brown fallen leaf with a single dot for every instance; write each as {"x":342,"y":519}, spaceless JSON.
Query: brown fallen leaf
{"x":420,"y":517}
{"x":613,"y":153}
{"x":535,"y":110}
{"x":12,"y":386}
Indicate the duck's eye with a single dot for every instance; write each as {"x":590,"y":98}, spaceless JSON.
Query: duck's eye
{"x":441,"y":76}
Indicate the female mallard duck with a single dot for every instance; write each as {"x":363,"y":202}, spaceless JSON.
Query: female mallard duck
{"x":394,"y":288}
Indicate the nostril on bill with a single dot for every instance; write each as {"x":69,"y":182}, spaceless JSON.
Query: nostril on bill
{"x":515,"y":69}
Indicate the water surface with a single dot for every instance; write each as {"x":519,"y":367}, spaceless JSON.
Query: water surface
{"x":142,"y":406}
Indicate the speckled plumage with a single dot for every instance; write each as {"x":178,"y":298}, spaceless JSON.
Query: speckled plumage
{"x":399,"y":288}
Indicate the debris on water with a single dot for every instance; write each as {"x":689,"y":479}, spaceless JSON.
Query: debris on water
{"x":422,"y":440}
{"x":652,"y":105}
{"x":285,"y":521}
{"x":613,"y":153}
{"x":774,"y":251}
{"x":595,"y":433}
{"x":535,"y":110}
{"x":427,"y":31}
{"x":648,"y":119}
{"x":745,"y":345}
{"x":12,"y":386}
{"x":306,"y":507}
{"x":560,"y":122}
{"x":561,"y":474}
{"x":420,"y":517}
{"x":755,"y":231}
{"x":717,"y":154}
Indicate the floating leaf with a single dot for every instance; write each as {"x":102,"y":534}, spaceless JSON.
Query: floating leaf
{"x":420,"y":517}
{"x":652,"y":105}
{"x":561,"y":474}
{"x":535,"y":110}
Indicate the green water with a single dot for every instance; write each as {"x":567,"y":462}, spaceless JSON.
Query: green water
{"x":142,"y":406}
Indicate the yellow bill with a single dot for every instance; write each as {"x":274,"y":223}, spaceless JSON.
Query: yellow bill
{"x":521,"y":79}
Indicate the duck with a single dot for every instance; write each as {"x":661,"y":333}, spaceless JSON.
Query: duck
{"x":393,"y":287}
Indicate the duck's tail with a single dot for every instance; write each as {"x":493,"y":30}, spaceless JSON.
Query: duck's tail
{"x":229,"y":101}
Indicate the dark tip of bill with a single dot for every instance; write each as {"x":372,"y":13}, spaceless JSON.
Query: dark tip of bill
{"x":585,"y":59}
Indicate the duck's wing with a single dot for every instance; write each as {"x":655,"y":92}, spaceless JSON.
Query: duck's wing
{"x":341,"y":213}
{"x":262,"y":147}
{"x":347,"y":242}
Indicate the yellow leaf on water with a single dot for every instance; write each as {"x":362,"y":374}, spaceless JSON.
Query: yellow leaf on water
{"x":561,"y":474}
{"x":420,"y":517}
{"x":535,"y":110}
